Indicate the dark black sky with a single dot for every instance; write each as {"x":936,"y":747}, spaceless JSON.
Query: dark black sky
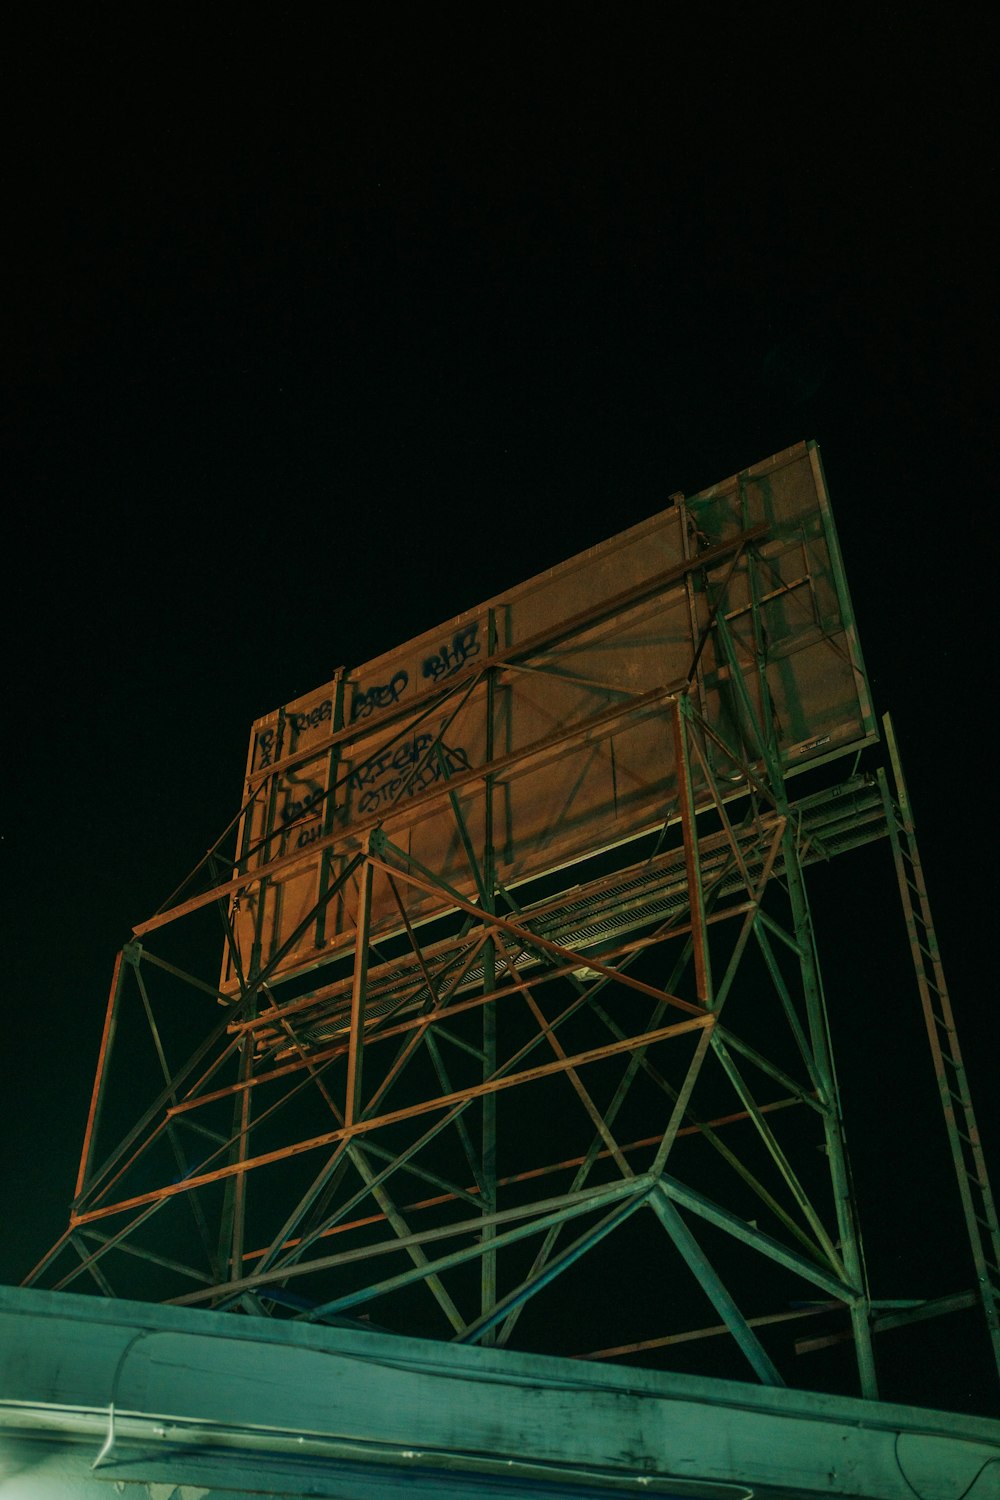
{"x":318,"y":334}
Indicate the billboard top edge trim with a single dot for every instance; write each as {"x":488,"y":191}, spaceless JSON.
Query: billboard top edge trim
{"x":568,"y":627}
{"x":567,"y":565}
{"x":526,"y":586}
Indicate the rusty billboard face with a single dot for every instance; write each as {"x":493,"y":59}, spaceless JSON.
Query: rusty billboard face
{"x":533,"y":731}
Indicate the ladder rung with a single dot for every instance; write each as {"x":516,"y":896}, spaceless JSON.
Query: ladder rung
{"x":944,"y":1044}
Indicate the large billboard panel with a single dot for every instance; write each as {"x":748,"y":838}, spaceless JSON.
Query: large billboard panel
{"x":537,"y":725}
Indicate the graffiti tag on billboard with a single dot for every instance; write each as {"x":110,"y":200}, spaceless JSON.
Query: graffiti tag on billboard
{"x":302,"y":798}
{"x":317,"y":715}
{"x":266,"y":748}
{"x":448,"y":659}
{"x":295,"y":808}
{"x":364,"y":702}
{"x":381,"y":696}
{"x":404,"y":771}
{"x":270,"y":742}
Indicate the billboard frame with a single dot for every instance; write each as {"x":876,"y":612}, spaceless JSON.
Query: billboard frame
{"x":721,"y":877}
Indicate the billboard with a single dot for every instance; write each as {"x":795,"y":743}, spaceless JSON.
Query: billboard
{"x":534,"y":730}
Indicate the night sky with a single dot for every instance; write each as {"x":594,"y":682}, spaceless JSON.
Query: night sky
{"x":317,"y":337}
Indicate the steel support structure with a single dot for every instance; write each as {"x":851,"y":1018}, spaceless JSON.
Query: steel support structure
{"x":592,"y":1113}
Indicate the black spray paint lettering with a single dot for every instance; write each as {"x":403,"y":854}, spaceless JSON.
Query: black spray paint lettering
{"x":464,"y":644}
{"x":268,"y":745}
{"x":298,"y":809}
{"x":455,"y":759}
{"x":398,"y":759}
{"x":306,"y":806}
{"x":379,"y":696}
{"x":317,"y":715}
{"x":390,"y":775}
{"x":265,"y":747}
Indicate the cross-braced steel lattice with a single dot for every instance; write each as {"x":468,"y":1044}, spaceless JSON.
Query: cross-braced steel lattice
{"x":582,"y":1099}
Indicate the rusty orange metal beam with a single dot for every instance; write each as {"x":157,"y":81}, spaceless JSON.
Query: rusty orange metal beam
{"x":550,"y":747}
{"x":532,"y":1174}
{"x":107,"y":1040}
{"x":422,"y":1107}
{"x":531,"y":645}
{"x":531,"y":939}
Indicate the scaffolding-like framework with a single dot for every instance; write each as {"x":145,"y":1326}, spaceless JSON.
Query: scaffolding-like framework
{"x":572,"y":1089}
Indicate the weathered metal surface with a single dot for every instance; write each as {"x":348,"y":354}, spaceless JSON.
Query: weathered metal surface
{"x":525,"y":1040}
{"x":99,"y":1397}
{"x":564,"y":676}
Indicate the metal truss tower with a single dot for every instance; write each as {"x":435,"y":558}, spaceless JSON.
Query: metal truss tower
{"x":521,"y":1036}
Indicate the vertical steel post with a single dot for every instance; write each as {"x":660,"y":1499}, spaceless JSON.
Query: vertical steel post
{"x":242,"y":1151}
{"x":233,"y":1218}
{"x":488,"y":1280}
{"x":692,"y":860}
{"x":355,"y":1056}
{"x":835,"y":1141}
{"x":330,"y":806}
{"x":812,"y":989}
{"x":691,"y":589}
